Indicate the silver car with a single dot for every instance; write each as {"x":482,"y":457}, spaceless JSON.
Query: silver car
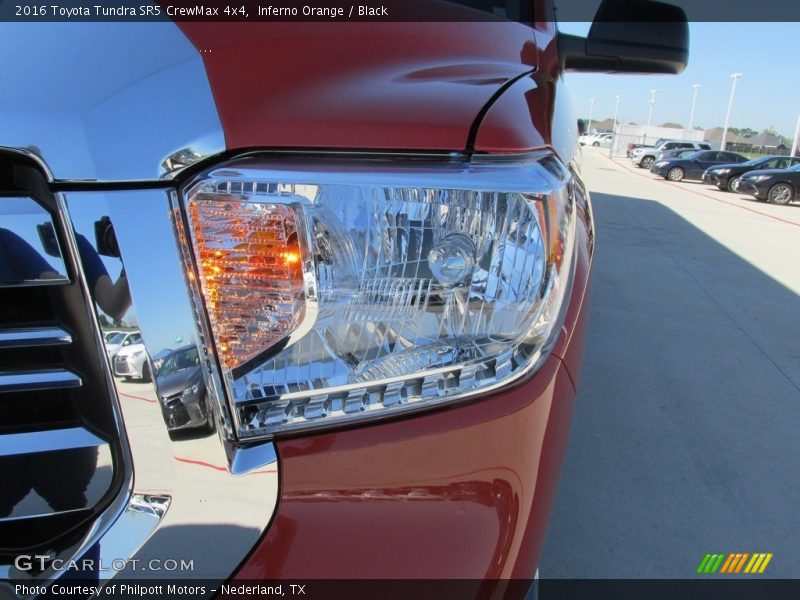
{"x":645,"y":157}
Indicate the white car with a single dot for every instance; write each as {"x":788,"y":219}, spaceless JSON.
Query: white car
{"x":602,"y":139}
{"x":131,"y":362}
{"x":121,"y":340}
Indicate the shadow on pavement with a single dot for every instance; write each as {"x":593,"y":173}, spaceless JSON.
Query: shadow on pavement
{"x":686,"y":435}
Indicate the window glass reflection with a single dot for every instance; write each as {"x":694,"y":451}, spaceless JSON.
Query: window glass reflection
{"x":29,"y":250}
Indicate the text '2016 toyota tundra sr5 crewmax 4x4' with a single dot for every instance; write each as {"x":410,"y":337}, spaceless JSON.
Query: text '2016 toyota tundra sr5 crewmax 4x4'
{"x":377,"y":239}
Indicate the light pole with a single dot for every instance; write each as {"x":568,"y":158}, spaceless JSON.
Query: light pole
{"x":696,"y":88}
{"x":796,"y":138}
{"x":591,"y":110}
{"x":614,"y":130}
{"x":650,"y":115}
{"x":735,"y":77}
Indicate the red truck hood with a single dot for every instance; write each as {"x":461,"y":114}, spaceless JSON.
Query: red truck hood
{"x":358,"y":85}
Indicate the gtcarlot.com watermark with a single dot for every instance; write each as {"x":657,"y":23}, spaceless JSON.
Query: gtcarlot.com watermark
{"x":40,"y":562}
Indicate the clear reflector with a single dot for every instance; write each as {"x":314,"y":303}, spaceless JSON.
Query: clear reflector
{"x":340,"y":292}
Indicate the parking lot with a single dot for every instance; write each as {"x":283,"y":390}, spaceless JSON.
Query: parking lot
{"x":686,"y":434}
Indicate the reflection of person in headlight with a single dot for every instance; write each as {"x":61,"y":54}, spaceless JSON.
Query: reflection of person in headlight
{"x":112,"y":297}
{"x":21,"y":263}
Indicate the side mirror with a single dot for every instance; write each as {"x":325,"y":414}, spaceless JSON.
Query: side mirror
{"x":631,"y":36}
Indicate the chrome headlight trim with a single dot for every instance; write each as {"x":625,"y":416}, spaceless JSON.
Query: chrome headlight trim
{"x":547,"y":177}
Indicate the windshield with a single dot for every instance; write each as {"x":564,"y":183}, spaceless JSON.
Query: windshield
{"x":180,"y":360}
{"x":116,"y":338}
{"x":132,"y":339}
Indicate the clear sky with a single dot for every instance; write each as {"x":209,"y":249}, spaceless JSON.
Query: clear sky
{"x":768,"y":94}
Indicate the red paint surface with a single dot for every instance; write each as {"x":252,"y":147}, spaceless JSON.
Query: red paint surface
{"x":522,"y":118}
{"x":395,"y":86}
{"x":575,"y":322}
{"x":444,"y":495}
{"x":519,"y":121}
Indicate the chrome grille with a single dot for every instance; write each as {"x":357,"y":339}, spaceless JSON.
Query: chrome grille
{"x":121,"y":366}
{"x":60,"y":453}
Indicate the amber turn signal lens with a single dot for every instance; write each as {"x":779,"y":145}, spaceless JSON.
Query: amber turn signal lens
{"x":250,"y":263}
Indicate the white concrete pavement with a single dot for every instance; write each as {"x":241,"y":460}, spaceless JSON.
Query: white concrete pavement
{"x":686,"y":435}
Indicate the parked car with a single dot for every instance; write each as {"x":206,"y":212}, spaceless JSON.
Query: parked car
{"x":726,"y":177}
{"x":601,"y":139}
{"x":158,"y":358}
{"x":182,"y":391}
{"x":121,"y":340}
{"x":131,"y":362}
{"x":681,"y":152}
{"x":384,"y":266}
{"x":694,"y":165}
{"x":777,"y":186}
{"x":632,"y":147}
{"x":645,"y":157}
{"x":109,"y":335}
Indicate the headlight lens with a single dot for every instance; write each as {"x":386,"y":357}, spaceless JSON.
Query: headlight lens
{"x":721,"y":171}
{"x":341,"y":291}
{"x":660,"y":163}
{"x":137,"y":354}
{"x":758,"y":178}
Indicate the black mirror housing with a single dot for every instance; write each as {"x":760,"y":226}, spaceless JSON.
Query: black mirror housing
{"x":630,"y":36}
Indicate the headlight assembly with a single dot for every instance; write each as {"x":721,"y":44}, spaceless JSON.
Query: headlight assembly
{"x":337,"y":291}
{"x":721,"y":171}
{"x":759,"y":178}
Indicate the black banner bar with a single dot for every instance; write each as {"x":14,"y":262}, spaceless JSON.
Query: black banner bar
{"x":284,"y":11}
{"x":740,"y":587}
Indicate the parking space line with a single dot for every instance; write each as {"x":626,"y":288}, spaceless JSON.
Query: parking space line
{"x":127,"y":395}
{"x":758,"y":212}
{"x":202,"y":463}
